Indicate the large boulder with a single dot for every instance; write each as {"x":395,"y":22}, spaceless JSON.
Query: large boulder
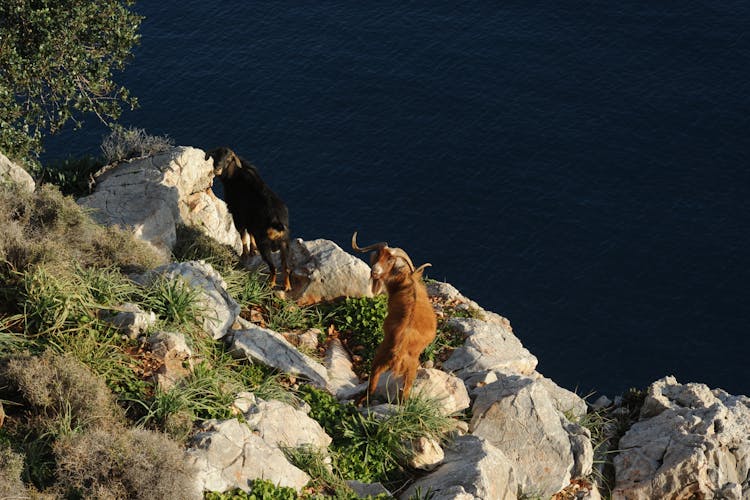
{"x":153,"y":195}
{"x":472,"y":469}
{"x":322,"y":271}
{"x":270,"y":348}
{"x":10,"y":172}
{"x":229,"y":455}
{"x":690,"y":442}
{"x":281,"y":424}
{"x":519,"y":416}
{"x":489,"y":345}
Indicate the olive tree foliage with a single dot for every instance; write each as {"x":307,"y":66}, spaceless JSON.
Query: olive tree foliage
{"x":57,"y":63}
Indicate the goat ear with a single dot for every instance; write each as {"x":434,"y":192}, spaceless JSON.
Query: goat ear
{"x":232,"y":163}
{"x":400,"y":264}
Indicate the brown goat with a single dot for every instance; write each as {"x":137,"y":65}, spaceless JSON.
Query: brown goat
{"x":410,"y":324}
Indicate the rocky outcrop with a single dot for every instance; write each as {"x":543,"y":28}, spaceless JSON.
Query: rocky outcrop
{"x":152,"y":195}
{"x":10,"y":172}
{"x":488,"y":346}
{"x":322,"y":271}
{"x":229,"y":455}
{"x":341,"y":377}
{"x":518,"y":415}
{"x":473,"y":469}
{"x":283,"y":425}
{"x":690,"y":442}
{"x":270,"y":348}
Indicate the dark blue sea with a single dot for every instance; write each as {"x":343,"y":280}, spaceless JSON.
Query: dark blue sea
{"x":579,"y":167}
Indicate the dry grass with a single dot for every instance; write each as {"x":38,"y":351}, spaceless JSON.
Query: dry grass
{"x":46,"y":227}
{"x":61,"y":394}
{"x":11,"y":467}
{"x":125,"y":143}
{"x":123,"y":463}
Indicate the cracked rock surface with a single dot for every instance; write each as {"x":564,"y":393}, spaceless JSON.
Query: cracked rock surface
{"x":690,"y":442}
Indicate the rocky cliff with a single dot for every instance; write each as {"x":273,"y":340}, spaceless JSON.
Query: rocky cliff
{"x":516,"y":434}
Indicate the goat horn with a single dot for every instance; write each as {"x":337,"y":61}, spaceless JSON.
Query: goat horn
{"x":374,"y":246}
{"x":421,"y":268}
{"x":397,"y":252}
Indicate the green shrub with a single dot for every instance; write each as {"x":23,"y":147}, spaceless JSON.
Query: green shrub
{"x":260,"y":489}
{"x":58,"y":62}
{"x":285,"y":315}
{"x":10,"y":342}
{"x":174,"y":301}
{"x":105,"y":354}
{"x":60,"y":397}
{"x":73,"y":176}
{"x":64,"y":298}
{"x":123,"y":463}
{"x":249,"y":289}
{"x":123,"y":144}
{"x":370,"y":448}
{"x":208,"y":392}
{"x":361,"y":321}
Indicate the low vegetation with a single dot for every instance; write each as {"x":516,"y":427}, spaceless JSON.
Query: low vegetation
{"x":84,"y":417}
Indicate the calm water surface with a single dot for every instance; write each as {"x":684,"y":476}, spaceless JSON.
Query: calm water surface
{"x":581,"y":168}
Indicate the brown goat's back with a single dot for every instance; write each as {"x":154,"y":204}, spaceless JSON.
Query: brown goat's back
{"x":409,"y":327}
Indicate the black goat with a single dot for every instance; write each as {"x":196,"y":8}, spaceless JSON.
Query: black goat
{"x":259,"y":214}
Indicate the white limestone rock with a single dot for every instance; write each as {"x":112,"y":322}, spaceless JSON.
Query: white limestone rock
{"x":152,"y":195}
{"x":229,"y":455}
{"x":427,"y":454}
{"x":12,"y":173}
{"x":488,"y":346}
{"x":280,"y":424}
{"x":518,"y":415}
{"x":323,"y":271}
{"x":339,"y":366}
{"x":272,"y":349}
{"x":565,"y":401}
{"x":473,"y":469}
{"x":691,"y":441}
{"x":130,"y":320}
{"x":449,"y":391}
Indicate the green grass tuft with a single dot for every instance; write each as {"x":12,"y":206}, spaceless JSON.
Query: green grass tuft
{"x":174,"y":301}
{"x":370,"y":448}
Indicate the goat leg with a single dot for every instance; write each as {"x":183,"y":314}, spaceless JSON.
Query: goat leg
{"x":284,"y":249}
{"x":265,"y":251}
{"x":410,"y":373}
{"x":380,"y":363}
{"x":245,"y":237}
